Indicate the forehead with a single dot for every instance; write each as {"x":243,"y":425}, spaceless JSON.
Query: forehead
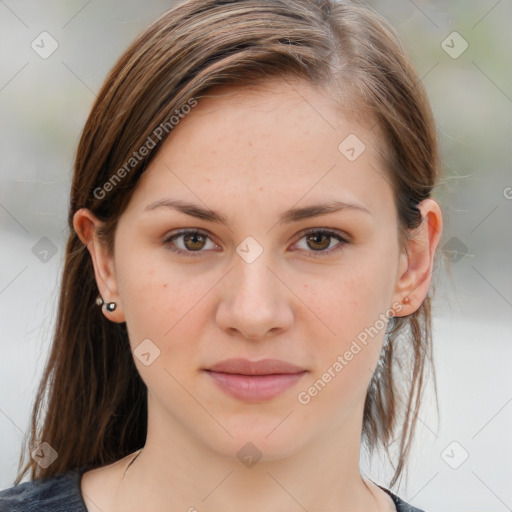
{"x":284,"y":138}
{"x":289,"y":107}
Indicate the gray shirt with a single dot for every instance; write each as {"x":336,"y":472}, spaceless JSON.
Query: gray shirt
{"x":62,"y":493}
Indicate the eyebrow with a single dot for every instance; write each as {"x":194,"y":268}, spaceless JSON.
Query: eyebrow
{"x":291,"y":215}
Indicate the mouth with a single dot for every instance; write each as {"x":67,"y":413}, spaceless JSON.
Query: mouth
{"x":255,"y":381}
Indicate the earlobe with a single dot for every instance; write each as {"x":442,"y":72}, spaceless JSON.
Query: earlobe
{"x":417,"y":264}
{"x":86,"y":225}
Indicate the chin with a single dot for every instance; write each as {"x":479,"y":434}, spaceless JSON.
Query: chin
{"x":259,"y":437}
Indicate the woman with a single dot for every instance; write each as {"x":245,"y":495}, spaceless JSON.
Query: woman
{"x":252,"y":240}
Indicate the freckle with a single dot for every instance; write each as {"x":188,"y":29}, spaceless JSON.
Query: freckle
{"x":164,"y":285}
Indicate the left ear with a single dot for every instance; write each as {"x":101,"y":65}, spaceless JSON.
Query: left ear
{"x":417,"y":262}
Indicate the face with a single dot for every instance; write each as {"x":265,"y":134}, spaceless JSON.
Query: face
{"x":271,"y":277}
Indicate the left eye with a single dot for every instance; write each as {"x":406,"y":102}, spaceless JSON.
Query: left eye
{"x":317,"y":239}
{"x":193,"y":241}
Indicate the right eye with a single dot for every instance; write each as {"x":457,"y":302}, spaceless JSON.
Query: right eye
{"x":191,"y":241}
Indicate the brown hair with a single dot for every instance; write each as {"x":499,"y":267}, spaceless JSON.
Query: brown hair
{"x":91,"y":397}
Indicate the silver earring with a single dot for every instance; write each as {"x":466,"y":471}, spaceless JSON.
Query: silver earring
{"x":109,"y":306}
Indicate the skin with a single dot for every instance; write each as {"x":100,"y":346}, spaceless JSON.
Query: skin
{"x":291,"y":303}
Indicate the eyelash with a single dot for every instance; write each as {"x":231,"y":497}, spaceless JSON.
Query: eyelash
{"x":315,"y":254}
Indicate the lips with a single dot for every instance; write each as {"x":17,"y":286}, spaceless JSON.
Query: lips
{"x":263,"y":367}
{"x":255,"y":381}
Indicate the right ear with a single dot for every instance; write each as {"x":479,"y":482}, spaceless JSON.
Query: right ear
{"x":86,"y":225}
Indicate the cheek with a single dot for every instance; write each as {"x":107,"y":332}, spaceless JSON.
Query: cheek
{"x":353,"y":298}
{"x":158,"y":300}
{"x":147,"y":300}
{"x":354,"y":305}
{"x":165,"y":307}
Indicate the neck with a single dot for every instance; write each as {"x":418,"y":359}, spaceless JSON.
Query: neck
{"x":186,"y":475}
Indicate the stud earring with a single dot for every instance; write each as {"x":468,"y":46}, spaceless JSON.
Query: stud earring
{"x":406,"y":300}
{"x":109,"y":306}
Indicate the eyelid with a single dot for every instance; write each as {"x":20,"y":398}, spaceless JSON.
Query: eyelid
{"x":342,"y":238}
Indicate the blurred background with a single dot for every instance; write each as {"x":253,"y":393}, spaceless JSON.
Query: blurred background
{"x":55,"y":55}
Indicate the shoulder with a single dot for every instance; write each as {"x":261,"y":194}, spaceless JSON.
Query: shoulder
{"x":401,"y":506}
{"x":60,"y":493}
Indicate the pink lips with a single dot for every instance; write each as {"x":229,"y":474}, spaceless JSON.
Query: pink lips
{"x":254,"y":381}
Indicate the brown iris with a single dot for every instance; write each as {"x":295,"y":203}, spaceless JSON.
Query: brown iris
{"x":197,"y":240}
{"x":318,"y":236}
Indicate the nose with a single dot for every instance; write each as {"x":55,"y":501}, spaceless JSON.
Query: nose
{"x":255,"y":301}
